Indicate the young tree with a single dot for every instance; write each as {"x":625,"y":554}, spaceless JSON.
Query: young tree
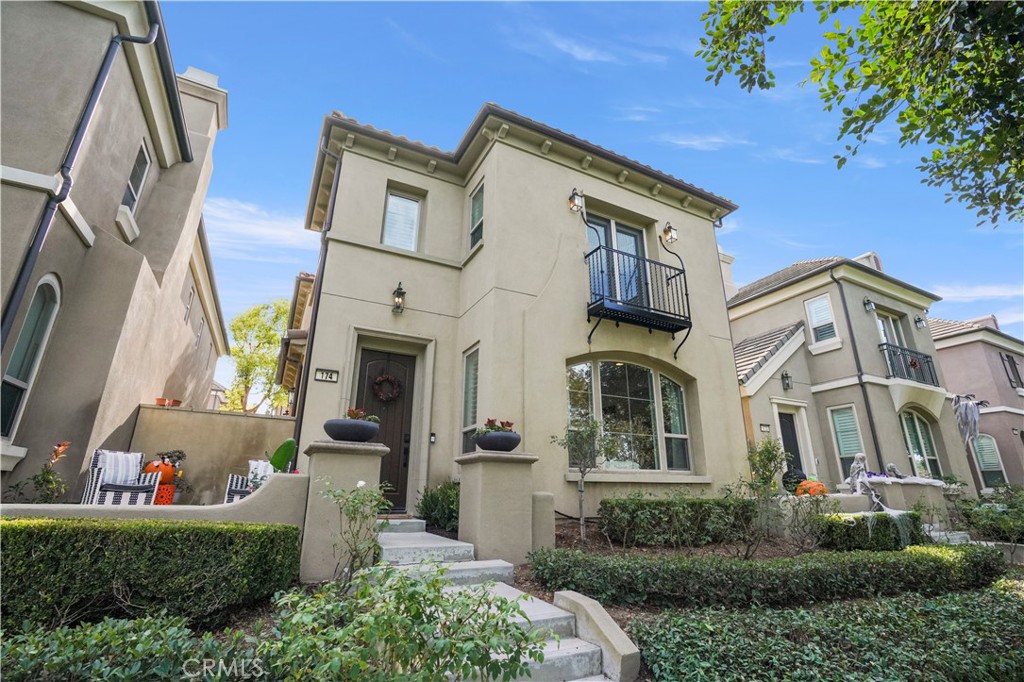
{"x":587,"y":445}
{"x":949,"y":73}
{"x":255,"y":341}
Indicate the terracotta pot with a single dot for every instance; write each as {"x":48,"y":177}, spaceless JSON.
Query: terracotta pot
{"x":355,"y":430}
{"x":173,"y":403}
{"x":160,"y":401}
{"x":501,"y":441}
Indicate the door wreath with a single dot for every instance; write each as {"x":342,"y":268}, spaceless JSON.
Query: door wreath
{"x":387,"y":388}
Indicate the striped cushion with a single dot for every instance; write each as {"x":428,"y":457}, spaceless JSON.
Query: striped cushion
{"x":119,"y":468}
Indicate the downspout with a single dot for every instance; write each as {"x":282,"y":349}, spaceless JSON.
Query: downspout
{"x":46,"y":221}
{"x":860,"y":370}
{"x":300,"y":397}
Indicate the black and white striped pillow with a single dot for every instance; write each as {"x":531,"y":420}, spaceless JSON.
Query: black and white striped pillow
{"x":119,"y":468}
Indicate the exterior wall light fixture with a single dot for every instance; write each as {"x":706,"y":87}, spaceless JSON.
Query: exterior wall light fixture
{"x":399,"y":294}
{"x":575,"y":201}
{"x":869,"y":305}
{"x":670,"y":233}
{"x":919,"y":322}
{"x":787,"y":381}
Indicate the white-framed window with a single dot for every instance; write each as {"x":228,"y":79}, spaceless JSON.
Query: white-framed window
{"x":1012,"y":368}
{"x":623,"y":268}
{"x":401,"y":221}
{"x":643,"y":411}
{"x":920,"y":446}
{"x":476,"y":216}
{"x":890,"y":329}
{"x":137,"y":179}
{"x":28,"y":350}
{"x":470,"y":382}
{"x":199,"y":334}
{"x":990,"y":465}
{"x":845,"y":435}
{"x":188,"y":302}
{"x":820,"y":318}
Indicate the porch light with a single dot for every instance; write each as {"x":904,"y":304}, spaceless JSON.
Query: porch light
{"x":787,"y":381}
{"x":399,"y":294}
{"x":575,"y":201}
{"x":869,"y":305}
{"x":919,"y":322}
{"x":670,"y":233}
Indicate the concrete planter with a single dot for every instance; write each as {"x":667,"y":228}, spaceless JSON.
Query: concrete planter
{"x":498,"y":441}
{"x":353,"y":430}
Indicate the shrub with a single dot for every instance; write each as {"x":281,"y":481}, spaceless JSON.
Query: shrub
{"x":999,"y":518}
{"x":970,"y":636}
{"x":819,"y":576}
{"x":355,"y":544}
{"x":61,"y":571}
{"x":877,"y":532}
{"x":675,"y":521}
{"x":439,"y":506}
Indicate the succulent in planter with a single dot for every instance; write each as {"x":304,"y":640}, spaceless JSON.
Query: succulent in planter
{"x":497,"y":435}
{"x":360,"y":414}
{"x":357,"y":426}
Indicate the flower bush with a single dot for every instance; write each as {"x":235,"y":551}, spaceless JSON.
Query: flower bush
{"x":811,"y":488}
{"x":356,"y":546}
{"x":47,"y":485}
{"x":360,"y":414}
{"x":493,"y":424}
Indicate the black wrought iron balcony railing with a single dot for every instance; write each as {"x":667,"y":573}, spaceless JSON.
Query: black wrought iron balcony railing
{"x":904,"y":363}
{"x":639,"y":291}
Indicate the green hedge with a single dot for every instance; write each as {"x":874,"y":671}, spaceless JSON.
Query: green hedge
{"x":61,"y":571}
{"x":439,"y":506}
{"x":965,"y":636}
{"x":675,"y":521}
{"x":877,"y":532}
{"x":815,"y":577}
{"x":999,"y":518}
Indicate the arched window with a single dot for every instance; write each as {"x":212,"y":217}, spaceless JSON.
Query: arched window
{"x":921,"y":447}
{"x":642,"y":410}
{"x":28,"y":350}
{"x":986,"y":452}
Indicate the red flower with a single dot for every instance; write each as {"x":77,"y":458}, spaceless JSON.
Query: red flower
{"x":506,"y":425}
{"x":491,"y":422}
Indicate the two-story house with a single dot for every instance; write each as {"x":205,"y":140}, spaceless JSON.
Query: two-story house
{"x":108,"y":289}
{"x":834,"y":358}
{"x":978,"y":358}
{"x":525,"y":276}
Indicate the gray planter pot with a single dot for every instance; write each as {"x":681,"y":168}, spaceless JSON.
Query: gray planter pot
{"x":501,"y":441}
{"x":355,"y":430}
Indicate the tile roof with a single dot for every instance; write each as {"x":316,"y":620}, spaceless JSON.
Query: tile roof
{"x":940,"y":328}
{"x":783,"y":277}
{"x":752,"y":353}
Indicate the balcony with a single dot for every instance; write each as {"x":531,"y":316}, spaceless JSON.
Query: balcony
{"x":638,"y":291}
{"x":904,"y":363}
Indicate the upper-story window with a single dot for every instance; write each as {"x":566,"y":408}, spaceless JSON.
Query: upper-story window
{"x":1012,"y":368}
{"x":820,"y":319}
{"x":890,"y":329}
{"x":137,"y":179}
{"x":476,"y":217}
{"x":402,"y":221}
{"x":625,"y":274}
{"x":21,"y":370}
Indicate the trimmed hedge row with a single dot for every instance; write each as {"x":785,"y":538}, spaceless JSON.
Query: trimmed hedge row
{"x":877,"y":532}
{"x":966,"y":636}
{"x":713,"y":581}
{"x":62,"y":571}
{"x":675,"y":521}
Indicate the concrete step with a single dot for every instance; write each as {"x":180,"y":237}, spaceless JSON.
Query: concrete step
{"x":539,"y":614}
{"x":404,"y":526}
{"x":950,"y":537}
{"x":470,"y":572}
{"x":414,"y":547}
{"x":593,"y":678}
{"x":567,"y":659}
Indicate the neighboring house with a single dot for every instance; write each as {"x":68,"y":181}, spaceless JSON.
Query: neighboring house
{"x":217,"y":396}
{"x":292,"y":357}
{"x":120,"y":306}
{"x":976,"y":357}
{"x":834,"y":358}
{"x":459,"y":286}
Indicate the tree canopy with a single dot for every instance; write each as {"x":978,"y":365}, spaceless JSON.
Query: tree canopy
{"x":951,"y":75}
{"x":256,"y":339}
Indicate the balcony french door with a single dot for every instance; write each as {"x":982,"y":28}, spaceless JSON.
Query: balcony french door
{"x":626,"y":277}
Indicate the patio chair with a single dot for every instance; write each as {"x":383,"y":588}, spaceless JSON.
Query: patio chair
{"x":238,"y":486}
{"x":116,"y":478}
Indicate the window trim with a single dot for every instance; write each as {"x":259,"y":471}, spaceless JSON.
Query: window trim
{"x":895,"y":322}
{"x":137,"y":193}
{"x":466,"y":430}
{"x":835,"y":436}
{"x":191,"y":299}
{"x":999,"y":458}
{"x":1012,"y":370}
{"x":199,"y":334}
{"x":830,"y":343}
{"x":918,"y":419}
{"x":480,"y":223}
{"x":408,"y":196}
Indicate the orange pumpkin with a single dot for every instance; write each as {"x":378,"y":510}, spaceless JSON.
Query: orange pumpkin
{"x":811,"y":488}
{"x":166,"y":470}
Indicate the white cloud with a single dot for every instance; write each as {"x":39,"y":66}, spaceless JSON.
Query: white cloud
{"x":965,"y":293}
{"x":415,"y":43}
{"x":730,"y":224}
{"x":546,"y":43}
{"x":1010,"y":315}
{"x":869,"y":161}
{"x":577,"y":50}
{"x":246,"y":231}
{"x":636,"y":113}
{"x":794,"y":156}
{"x":703,"y":143}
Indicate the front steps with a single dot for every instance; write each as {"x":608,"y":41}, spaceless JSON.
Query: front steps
{"x":566,"y":657}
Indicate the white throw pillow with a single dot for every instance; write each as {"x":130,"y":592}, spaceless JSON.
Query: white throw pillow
{"x":121,"y":468}
{"x":260,"y":469}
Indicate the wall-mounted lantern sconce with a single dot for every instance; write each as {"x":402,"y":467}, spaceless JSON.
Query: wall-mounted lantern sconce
{"x":787,"y":381}
{"x":765,"y":428}
{"x":575,"y":201}
{"x":433,"y":438}
{"x":670,"y":234}
{"x":869,"y":305}
{"x":1015,"y":432}
{"x":399,"y":294}
{"x":919,"y":322}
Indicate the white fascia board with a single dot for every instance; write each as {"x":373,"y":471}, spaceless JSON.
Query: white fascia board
{"x":981,"y":336}
{"x":775,"y":363}
{"x":885,"y":286}
{"x":1001,"y":408}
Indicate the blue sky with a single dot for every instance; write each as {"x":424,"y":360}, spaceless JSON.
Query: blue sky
{"x":620,"y":75}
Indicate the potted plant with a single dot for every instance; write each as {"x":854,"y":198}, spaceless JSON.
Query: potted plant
{"x":497,"y":435}
{"x":952,"y":487}
{"x":168,"y":463}
{"x":358,"y":426}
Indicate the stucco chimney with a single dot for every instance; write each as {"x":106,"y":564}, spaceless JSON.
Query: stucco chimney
{"x":989,"y":321}
{"x":725,"y":261}
{"x":870,"y":259}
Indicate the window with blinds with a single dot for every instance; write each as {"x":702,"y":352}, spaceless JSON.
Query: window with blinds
{"x":470,"y":381}
{"x":476,"y":217}
{"x":401,"y":222}
{"x":819,"y":318}
{"x":924,"y":459}
{"x":1012,"y":368}
{"x":986,"y":452}
{"x":847,"y":434}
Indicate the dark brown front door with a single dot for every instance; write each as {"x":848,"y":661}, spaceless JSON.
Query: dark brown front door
{"x":385,"y":389}
{"x":787,"y":424}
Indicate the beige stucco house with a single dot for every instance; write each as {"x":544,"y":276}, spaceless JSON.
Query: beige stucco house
{"x":977,"y":357}
{"x":459,"y":286}
{"x":118,"y":304}
{"x":834,"y":357}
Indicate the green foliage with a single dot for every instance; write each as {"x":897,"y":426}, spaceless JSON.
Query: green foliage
{"x":439,"y":506}
{"x":61,"y":571}
{"x":47,"y":485}
{"x":587,"y":445}
{"x":283,"y":455}
{"x":713,"y":581}
{"x":948,"y":73}
{"x":971,"y":636}
{"x":999,"y":518}
{"x":356,"y":546}
{"x":674,"y":521}
{"x":766,"y":460}
{"x":255,"y":342}
{"x":877,"y":532}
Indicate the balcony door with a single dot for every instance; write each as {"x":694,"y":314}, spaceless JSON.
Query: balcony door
{"x":625,"y":268}
{"x":889,"y":330}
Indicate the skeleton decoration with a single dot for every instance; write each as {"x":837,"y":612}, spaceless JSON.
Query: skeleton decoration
{"x":891,"y":469}
{"x":858,"y":479}
{"x":967,"y":412}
